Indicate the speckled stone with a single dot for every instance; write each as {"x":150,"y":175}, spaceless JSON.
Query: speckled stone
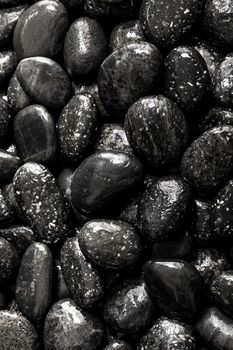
{"x":11,"y":203}
{"x":118,"y":345}
{"x":157,"y":131}
{"x":175,"y":285}
{"x":208,"y":161}
{"x":43,"y":205}
{"x":44,"y":81}
{"x":110,"y":244}
{"x":217,"y":116}
{"x":5,"y":117}
{"x":129,"y":308}
{"x":8,"y":19}
{"x":168,"y":334}
{"x":17,"y":97}
{"x":8,"y":63}
{"x":112,"y":137}
{"x":109,"y":9}
{"x":216,"y":329}
{"x":170,"y":196}
{"x":19,"y":236}
{"x":35,"y":135}
{"x":77,"y":127}
{"x":126,"y":33}
{"x":218,"y":22}
{"x":41,"y":29}
{"x":102,"y":178}
{"x":6,"y":210}
{"x":16,"y":332}
{"x":67,"y":326}
{"x":221,"y":288}
{"x":82,"y":279}
{"x":224,"y":82}
{"x":60,"y":290}
{"x":9,"y":260}
{"x":201,"y":228}
{"x":34,"y":281}
{"x":127,"y":74}
{"x":186,"y":78}
{"x":164,"y":24}
{"x":8,"y":165}
{"x":85,"y":47}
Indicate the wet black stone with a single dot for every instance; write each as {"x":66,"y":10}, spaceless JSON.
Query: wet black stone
{"x":127,"y":74}
{"x":8,"y":164}
{"x":216,"y":329}
{"x":40,"y":30}
{"x":186,"y":78}
{"x":164,"y":24}
{"x":17,"y":332}
{"x":168,"y":334}
{"x":42,"y":203}
{"x":9,"y":260}
{"x":34,"y":281}
{"x":82,"y":279}
{"x":118,"y":345}
{"x":129,"y":308}
{"x":19,"y":236}
{"x":67,"y":326}
{"x":221,"y":291}
{"x":64,"y":181}
{"x":126,"y":33}
{"x":208,"y":161}
{"x":176,"y":286}
{"x":167,"y":126}
{"x":8,"y":20}
{"x":85,"y":47}
{"x":44,"y":81}
{"x":17,"y":97}
{"x":8,"y":63}
{"x":109,"y":10}
{"x":218,"y":22}
{"x":180,"y":249}
{"x":217,"y":116}
{"x":110,"y":244}
{"x":224,"y":82}
{"x":5,"y":117}
{"x":77,"y":127}
{"x":103,"y":177}
{"x":60,"y":289}
{"x":7,"y":215}
{"x":169,"y":196}
{"x":201,"y":228}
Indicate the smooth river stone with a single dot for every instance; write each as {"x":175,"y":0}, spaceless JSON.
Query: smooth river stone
{"x":41,"y":29}
{"x":44,"y":207}
{"x":35,"y":135}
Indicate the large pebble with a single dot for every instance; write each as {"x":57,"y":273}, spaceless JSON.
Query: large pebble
{"x":163,"y":208}
{"x":208,"y":161}
{"x":9,"y":260}
{"x":126,"y":33}
{"x":40,"y":30}
{"x":157,"y":131}
{"x":127,"y":74}
{"x":224,"y":82}
{"x":8,"y":63}
{"x":82,"y":279}
{"x":19,"y":236}
{"x":42,"y":203}
{"x":69,"y":327}
{"x":110,"y":244}
{"x":103,"y":177}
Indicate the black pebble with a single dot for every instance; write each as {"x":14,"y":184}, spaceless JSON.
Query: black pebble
{"x":217,"y":116}
{"x":8,"y":63}
{"x":17,"y":97}
{"x":126,"y":33}
{"x":224,"y":82}
{"x":19,"y":236}
{"x":221,"y":288}
{"x":7,"y":214}
{"x":109,"y":9}
{"x":9,"y":260}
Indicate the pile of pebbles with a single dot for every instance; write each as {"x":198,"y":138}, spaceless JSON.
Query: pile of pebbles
{"x":116,"y":171}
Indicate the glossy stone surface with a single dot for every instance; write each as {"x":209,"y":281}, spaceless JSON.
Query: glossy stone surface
{"x":42,"y":203}
{"x":167,"y":126}
{"x":9,"y":260}
{"x":165,"y":25}
{"x":109,"y":9}
{"x":19,"y":236}
{"x":127,"y":74}
{"x":85,"y":47}
{"x":103,"y":177}
{"x":169,"y":196}
{"x":201,"y":228}
{"x":34,"y":281}
{"x":126,"y":33}
{"x":41,"y":29}
{"x":44,"y":81}
{"x":8,"y":164}
{"x":8,"y":63}
{"x":77,"y":127}
{"x":217,"y":116}
{"x":17,"y":97}
{"x":207,"y":163}
{"x":110,"y":244}
{"x":65,"y":319}
{"x":186,"y":78}
{"x":82,"y":279}
{"x":5,"y":117}
{"x":129,"y":307}
{"x":176,"y":286}
{"x":35,"y":135}
{"x":221,"y":289}
{"x":17,"y":332}
{"x":118,"y":345}
{"x":224,"y":82}
{"x":218,"y":22}
{"x":168,"y":334}
{"x":216,"y":329}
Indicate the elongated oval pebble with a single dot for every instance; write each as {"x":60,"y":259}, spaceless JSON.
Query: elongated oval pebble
{"x":19,"y":236}
{"x":82,"y":279}
{"x":9,"y":260}
{"x":42,"y":203}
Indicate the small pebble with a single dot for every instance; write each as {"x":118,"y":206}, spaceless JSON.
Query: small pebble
{"x":9,"y":260}
{"x":224,"y":82}
{"x":60,"y":289}
{"x":5,"y":117}
{"x":221,"y":290}
{"x":6,"y":210}
{"x":201,"y":228}
{"x":118,"y":345}
{"x":109,"y":9}
{"x":217,"y":116}
{"x":17,"y":97}
{"x":19,"y":236}
{"x":8,"y":63}
{"x":126,"y":33}
{"x":8,"y":165}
